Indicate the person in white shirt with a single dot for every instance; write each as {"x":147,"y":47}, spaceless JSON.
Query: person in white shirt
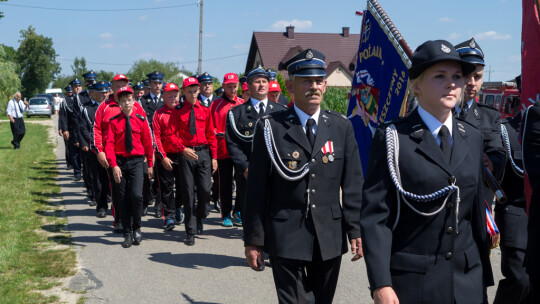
{"x":15,"y":110}
{"x":57,"y":102}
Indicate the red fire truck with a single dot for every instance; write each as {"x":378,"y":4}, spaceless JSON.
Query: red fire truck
{"x":502,"y":95}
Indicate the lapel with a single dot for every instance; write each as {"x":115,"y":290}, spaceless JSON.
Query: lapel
{"x":461,"y":147}
{"x":473,"y":117}
{"x":250,"y":111}
{"x":323,"y":133}
{"x":295,"y":129}
{"x":427,"y":145}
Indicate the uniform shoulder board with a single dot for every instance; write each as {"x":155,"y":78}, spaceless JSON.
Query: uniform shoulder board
{"x":336,"y":114}
{"x":140,"y":117}
{"x":462,"y":120}
{"x":487,"y":107}
{"x":394,"y":121}
{"x":115,"y":116}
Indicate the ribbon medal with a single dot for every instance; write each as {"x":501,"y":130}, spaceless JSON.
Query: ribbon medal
{"x":328,"y":151}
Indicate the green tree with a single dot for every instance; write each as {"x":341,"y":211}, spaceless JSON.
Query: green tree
{"x":140,"y":68}
{"x":9,"y":80}
{"x":37,"y":59}
{"x":104,"y":75}
{"x":79,"y":67}
{"x":2,"y":13}
{"x":62,"y":81}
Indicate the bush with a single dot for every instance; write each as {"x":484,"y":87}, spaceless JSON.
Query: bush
{"x":335,"y":99}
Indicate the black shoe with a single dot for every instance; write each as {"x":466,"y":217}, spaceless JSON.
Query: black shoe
{"x":199,"y":225}
{"x":217,"y":206}
{"x":77,"y":178}
{"x":101,"y":213}
{"x":157,"y":214}
{"x":128,"y":240}
{"x":137,"y":237}
{"x":190,"y":240}
{"x":118,"y":228}
{"x":93,"y":203}
{"x":69,"y":167}
{"x":144,"y":211}
{"x":169,"y":224}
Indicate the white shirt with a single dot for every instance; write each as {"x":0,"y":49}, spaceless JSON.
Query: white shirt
{"x":257,"y":103}
{"x":14,"y":108}
{"x":304,"y":118}
{"x":469,"y":104}
{"x":206,"y":100}
{"x":434,"y":125}
{"x":154,"y":97}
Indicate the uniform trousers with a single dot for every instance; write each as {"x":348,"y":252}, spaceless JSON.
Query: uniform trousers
{"x":148,"y":195}
{"x":225,"y":170}
{"x":240,"y":189}
{"x":86,"y":174}
{"x":68,"y":158}
{"x":167,"y":181}
{"x":17,"y":130}
{"x":130,"y":192}
{"x":99,"y":181}
{"x":74,"y":155}
{"x":514,"y":288}
{"x":302,"y":282}
{"x":215,"y":187}
{"x":114,"y":197}
{"x":195,"y":173}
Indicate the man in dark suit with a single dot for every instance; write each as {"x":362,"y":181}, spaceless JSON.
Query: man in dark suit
{"x":272,"y":76}
{"x":69,"y":120}
{"x":531,"y":151}
{"x":151,"y":102}
{"x":84,"y":100}
{"x":206,"y":96}
{"x":511,"y":218}
{"x":301,"y":159}
{"x":241,"y":122}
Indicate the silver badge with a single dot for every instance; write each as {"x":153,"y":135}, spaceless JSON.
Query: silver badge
{"x":472,"y":44}
{"x":445,"y":49}
{"x":331,"y":158}
{"x":309,"y":55}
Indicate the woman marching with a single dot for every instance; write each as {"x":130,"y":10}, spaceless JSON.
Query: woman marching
{"x":423,"y":213}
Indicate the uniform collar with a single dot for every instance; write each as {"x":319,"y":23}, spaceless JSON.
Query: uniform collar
{"x":433,"y":124}
{"x":153,"y":96}
{"x":256,"y":102}
{"x":304,"y":117}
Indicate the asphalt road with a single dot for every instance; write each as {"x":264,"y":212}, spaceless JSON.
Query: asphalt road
{"x":164,"y":270}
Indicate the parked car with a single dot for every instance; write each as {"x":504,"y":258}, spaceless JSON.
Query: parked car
{"x":39,"y":106}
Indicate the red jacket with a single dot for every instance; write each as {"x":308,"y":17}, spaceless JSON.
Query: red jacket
{"x":141,"y":138}
{"x":107,"y":110}
{"x":219,"y":109}
{"x":165,"y":133}
{"x":203,"y":123}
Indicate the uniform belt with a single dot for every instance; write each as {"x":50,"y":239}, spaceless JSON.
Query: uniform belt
{"x":199,"y":148}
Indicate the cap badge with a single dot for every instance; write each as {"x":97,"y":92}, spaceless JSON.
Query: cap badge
{"x":230,"y":77}
{"x":445,"y":49}
{"x":472,"y":44}
{"x":309,"y":55}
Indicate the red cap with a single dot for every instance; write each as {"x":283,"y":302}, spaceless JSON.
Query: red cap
{"x":273,"y":86}
{"x":230,"y":78}
{"x":124,"y":90}
{"x":189,"y":82}
{"x":120,"y":77}
{"x":244,"y":87}
{"x":171,"y":87}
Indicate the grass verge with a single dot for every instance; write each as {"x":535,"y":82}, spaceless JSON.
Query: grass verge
{"x":33,"y":251}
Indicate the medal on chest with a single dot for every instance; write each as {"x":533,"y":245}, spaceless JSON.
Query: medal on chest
{"x":328,"y":152}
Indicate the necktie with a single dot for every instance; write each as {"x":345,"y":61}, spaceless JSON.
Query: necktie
{"x":261,"y":109}
{"x":444,"y":134}
{"x":192,"y":127}
{"x":309,"y":131}
{"x":20,"y":108}
{"x":128,"y":136}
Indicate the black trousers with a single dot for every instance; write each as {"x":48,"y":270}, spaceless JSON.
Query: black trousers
{"x":67,"y":156}
{"x":225,"y":170}
{"x":195,"y":173}
{"x":514,"y":288}
{"x":86,"y":173}
{"x":306,"y":281}
{"x":240,"y":189}
{"x":215,"y":187}
{"x":75,"y":157}
{"x":99,"y":181}
{"x":167,"y":181}
{"x":114,"y":196}
{"x":130,"y":192}
{"x":534,"y":281}
{"x":18,"y":130}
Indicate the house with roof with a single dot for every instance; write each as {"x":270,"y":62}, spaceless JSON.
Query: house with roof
{"x":269,"y":49}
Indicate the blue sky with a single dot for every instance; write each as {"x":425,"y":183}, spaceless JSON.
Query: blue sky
{"x":113,"y":40}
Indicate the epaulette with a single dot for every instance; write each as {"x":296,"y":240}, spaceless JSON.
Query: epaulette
{"x":394,"y":121}
{"x":336,"y":114}
{"x":465,"y":121}
{"x":481,"y":105}
{"x":115,"y":116}
{"x":140,"y":117}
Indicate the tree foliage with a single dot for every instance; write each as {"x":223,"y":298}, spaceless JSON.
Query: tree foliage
{"x":2,"y":13}
{"x":141,"y":68}
{"x":9,"y":79}
{"x":37,"y":59}
{"x":79,"y":67}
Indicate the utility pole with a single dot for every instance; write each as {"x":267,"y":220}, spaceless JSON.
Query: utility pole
{"x":489,"y":72}
{"x":199,"y":68}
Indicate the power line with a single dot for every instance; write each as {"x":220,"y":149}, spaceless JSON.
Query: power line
{"x":99,"y":10}
{"x":129,"y":64}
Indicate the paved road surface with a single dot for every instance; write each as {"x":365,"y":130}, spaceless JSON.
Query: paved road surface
{"x":164,"y":270}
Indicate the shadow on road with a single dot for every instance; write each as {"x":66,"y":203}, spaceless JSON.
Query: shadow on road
{"x":196,"y":260}
{"x":190,"y":300}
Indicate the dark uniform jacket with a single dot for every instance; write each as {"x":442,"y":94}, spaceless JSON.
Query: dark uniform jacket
{"x":245,"y":118}
{"x":200,"y":98}
{"x":86,"y":127}
{"x":150,"y":107}
{"x":283,"y":100}
{"x":531,"y":156}
{"x":69,"y":118}
{"x":275,"y":209}
{"x":424,"y":259}
{"x":511,"y":217}
{"x":488,"y":120}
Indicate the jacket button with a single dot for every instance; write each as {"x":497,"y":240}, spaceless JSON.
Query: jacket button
{"x":449,"y":205}
{"x":313,"y":206}
{"x":448,"y":255}
{"x":313,"y":191}
{"x":506,"y":209}
{"x":449,"y":230}
{"x":313,"y":175}
{"x":313,"y":160}
{"x":452,"y":179}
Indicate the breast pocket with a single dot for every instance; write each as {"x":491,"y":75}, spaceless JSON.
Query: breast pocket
{"x":332,"y":164}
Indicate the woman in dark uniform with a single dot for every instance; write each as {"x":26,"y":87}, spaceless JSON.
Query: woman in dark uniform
{"x":423,"y":213}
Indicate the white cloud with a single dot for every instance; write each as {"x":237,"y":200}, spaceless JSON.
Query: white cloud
{"x":453,"y":36}
{"x":446,"y":20}
{"x":492,"y":35}
{"x":105,"y":35}
{"x":143,"y":17}
{"x":107,"y":46}
{"x":124,"y":45}
{"x":298,"y":24}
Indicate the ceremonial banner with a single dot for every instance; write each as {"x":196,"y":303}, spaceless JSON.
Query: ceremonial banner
{"x":380,"y":82}
{"x":530,"y":65}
